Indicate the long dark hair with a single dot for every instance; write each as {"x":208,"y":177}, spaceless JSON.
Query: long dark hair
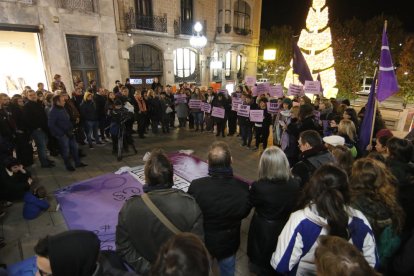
{"x":328,"y":190}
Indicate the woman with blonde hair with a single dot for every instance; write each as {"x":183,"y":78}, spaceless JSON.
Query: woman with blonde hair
{"x":346,"y":129}
{"x":274,"y":196}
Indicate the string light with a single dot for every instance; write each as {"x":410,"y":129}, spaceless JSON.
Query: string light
{"x":316,"y":43}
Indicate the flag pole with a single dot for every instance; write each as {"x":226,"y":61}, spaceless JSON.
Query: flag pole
{"x":375,"y":110}
{"x":376,"y":100}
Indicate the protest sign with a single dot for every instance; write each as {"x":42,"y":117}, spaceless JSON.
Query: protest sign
{"x":254,"y":91}
{"x":218,"y":112}
{"x":256,"y":116}
{"x":235,"y":104}
{"x":196,"y":104}
{"x":276,"y":91}
{"x":206,"y":107}
{"x":244,"y":110}
{"x":312,"y":87}
{"x":272,"y":107}
{"x":250,"y":80}
{"x":263,"y":88}
{"x":295,"y":90}
{"x":180,"y":98}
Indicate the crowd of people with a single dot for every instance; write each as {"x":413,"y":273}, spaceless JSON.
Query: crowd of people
{"x":322,"y":203}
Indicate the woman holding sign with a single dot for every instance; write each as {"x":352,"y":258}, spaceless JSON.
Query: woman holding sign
{"x":262,"y":128}
{"x":197,"y":98}
{"x":220,"y":102}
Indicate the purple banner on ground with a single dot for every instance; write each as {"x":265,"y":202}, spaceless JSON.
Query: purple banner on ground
{"x":94,"y":204}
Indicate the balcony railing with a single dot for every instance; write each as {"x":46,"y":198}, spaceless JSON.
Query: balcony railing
{"x":80,"y":5}
{"x":143,"y":22}
{"x":186,"y":27}
{"x":241,"y":31}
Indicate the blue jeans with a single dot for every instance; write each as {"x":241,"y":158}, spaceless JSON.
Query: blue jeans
{"x":227,"y":266}
{"x":198,"y":118}
{"x":40,"y":138}
{"x":92,"y":127}
{"x":69,"y":145}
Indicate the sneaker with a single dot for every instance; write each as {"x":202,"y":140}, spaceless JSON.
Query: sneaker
{"x":80,"y":165}
{"x":70,"y":168}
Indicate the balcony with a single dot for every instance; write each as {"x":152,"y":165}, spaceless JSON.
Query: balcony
{"x":148,"y":23}
{"x":80,"y":5}
{"x":186,"y":27}
{"x":241,"y":31}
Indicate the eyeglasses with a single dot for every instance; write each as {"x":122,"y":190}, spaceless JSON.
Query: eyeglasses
{"x":42,"y":273}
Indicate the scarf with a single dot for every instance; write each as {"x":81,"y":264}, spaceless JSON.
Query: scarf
{"x":148,"y":188}
{"x":221,"y":171}
{"x":141,"y":104}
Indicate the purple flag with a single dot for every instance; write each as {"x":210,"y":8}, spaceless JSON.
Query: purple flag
{"x":366,"y":125}
{"x":300,"y":66}
{"x":387,"y":81}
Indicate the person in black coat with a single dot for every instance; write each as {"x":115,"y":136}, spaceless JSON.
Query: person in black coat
{"x":224,"y":202}
{"x":61,"y":127}
{"x":35,"y":119}
{"x":274,"y":196}
{"x":100,"y":102}
{"x":15,"y":181}
{"x":314,"y":154}
{"x":245,"y":124}
{"x":90,"y":116}
{"x":262,"y":129}
{"x":220,"y":102}
{"x":307,"y":119}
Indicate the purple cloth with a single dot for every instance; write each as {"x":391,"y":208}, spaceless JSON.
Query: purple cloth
{"x":366,"y":125}
{"x":94,"y":204}
{"x":387,"y":81}
{"x":299,"y":65}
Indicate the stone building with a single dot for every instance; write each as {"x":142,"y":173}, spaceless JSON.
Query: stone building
{"x":108,"y":40}
{"x":153,"y":37}
{"x":40,"y":38}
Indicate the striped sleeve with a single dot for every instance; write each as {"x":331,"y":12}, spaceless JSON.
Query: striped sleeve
{"x":289,"y":245}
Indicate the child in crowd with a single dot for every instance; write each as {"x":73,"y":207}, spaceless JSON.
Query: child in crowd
{"x":35,"y":202}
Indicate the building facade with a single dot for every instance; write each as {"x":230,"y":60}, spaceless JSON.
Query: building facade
{"x":40,"y":38}
{"x":153,"y":37}
{"x":106,"y":40}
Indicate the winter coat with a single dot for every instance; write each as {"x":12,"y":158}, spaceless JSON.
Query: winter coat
{"x":224,"y":201}
{"x":100,"y":102}
{"x":140,"y":234}
{"x":310,"y":161}
{"x":274,"y":200}
{"x":33,"y":206}
{"x":59,"y":122}
{"x":181,"y":109}
{"x":295,"y":251}
{"x":88,"y":111}
{"x":34,"y":116}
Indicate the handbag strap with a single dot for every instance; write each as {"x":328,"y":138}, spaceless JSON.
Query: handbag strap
{"x":154,"y":209}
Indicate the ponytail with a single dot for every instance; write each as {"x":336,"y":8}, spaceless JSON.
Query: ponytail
{"x":328,"y":190}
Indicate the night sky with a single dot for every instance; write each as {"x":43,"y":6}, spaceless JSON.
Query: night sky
{"x":294,"y":12}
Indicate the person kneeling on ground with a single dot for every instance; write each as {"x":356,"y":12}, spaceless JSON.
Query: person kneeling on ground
{"x":15,"y":181}
{"x":146,"y":222}
{"x":76,"y":252}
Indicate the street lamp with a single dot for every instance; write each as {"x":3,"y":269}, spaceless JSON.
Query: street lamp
{"x":198,"y":40}
{"x":268,"y":55}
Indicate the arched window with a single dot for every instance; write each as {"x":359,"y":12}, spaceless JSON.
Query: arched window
{"x":224,"y":14}
{"x":143,"y":7}
{"x":227,"y":66}
{"x":216,"y":72}
{"x":241,"y":23}
{"x":239,"y":66}
{"x":185,"y":64}
{"x":145,"y":59}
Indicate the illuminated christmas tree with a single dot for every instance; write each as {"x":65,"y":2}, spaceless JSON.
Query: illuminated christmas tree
{"x":315,"y":43}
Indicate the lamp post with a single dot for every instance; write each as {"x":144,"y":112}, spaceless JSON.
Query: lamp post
{"x":269,"y":55}
{"x":198,"y":41}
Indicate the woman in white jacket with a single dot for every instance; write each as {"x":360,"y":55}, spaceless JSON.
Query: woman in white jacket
{"x":325,"y":211}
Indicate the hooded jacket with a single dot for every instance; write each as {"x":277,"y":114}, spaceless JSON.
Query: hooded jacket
{"x":295,"y":251}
